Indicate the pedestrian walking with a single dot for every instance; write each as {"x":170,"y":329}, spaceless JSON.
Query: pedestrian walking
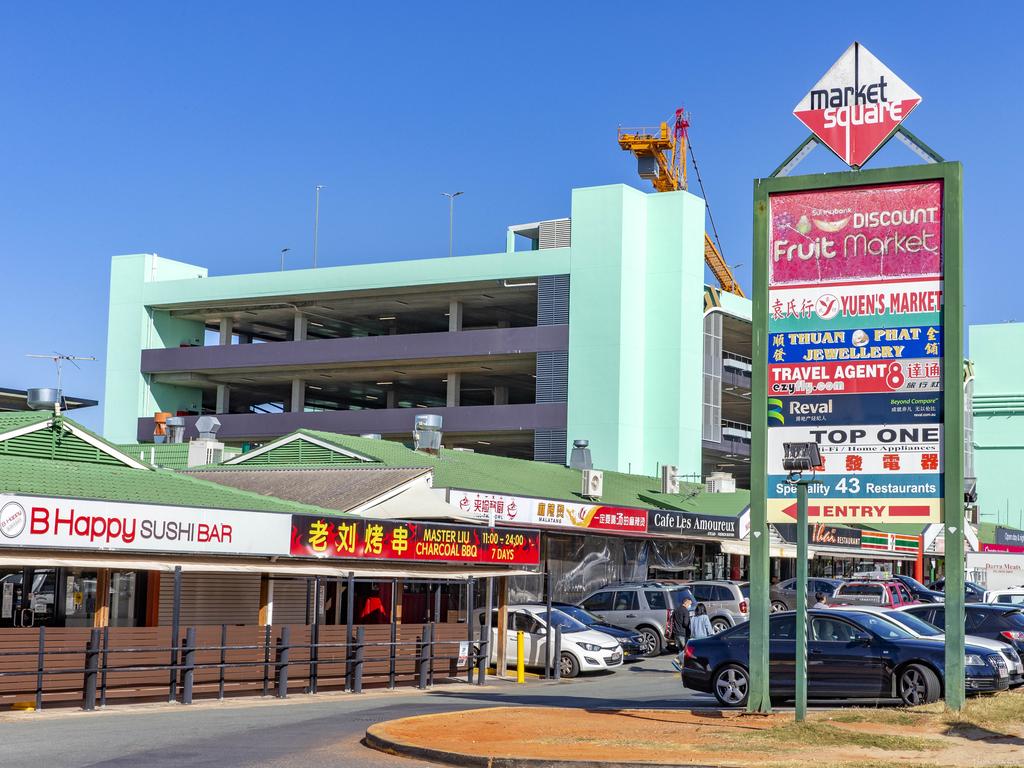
{"x":700,"y":626}
{"x":681,"y":623}
{"x":821,"y":600}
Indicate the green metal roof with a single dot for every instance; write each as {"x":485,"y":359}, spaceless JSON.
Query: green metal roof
{"x":497,"y":474}
{"x":167,"y":455}
{"x":9,"y":421}
{"x":84,"y":480}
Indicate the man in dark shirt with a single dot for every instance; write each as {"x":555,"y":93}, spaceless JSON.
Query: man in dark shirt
{"x":681,"y":623}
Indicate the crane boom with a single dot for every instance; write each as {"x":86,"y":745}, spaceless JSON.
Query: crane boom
{"x":661,"y":158}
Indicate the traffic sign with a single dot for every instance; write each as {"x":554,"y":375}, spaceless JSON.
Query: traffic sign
{"x":856,"y":106}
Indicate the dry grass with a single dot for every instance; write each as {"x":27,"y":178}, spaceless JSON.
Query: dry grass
{"x":818,"y":734}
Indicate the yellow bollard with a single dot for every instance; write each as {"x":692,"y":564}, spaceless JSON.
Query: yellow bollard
{"x":520,"y":661}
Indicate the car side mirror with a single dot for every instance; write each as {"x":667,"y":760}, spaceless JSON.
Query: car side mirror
{"x":862,"y":638}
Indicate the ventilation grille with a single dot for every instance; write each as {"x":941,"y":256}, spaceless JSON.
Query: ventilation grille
{"x":553,"y":300}
{"x":300,"y":452}
{"x":552,"y":377}
{"x":555,"y":234}
{"x":549,"y":445}
{"x":63,"y":446}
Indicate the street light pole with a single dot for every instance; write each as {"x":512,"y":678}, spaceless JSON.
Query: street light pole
{"x":451,"y":218}
{"x":283,"y":252}
{"x":801,"y":600}
{"x":316,"y":223}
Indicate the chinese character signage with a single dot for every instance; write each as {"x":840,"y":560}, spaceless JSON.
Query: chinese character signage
{"x":855,"y":350}
{"x":342,"y":537}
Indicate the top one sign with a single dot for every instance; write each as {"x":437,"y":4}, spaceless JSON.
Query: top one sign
{"x":856,"y":106}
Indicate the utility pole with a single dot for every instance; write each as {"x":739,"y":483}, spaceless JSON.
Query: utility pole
{"x":451,"y":218}
{"x":316,"y":222}
{"x":283,"y":252}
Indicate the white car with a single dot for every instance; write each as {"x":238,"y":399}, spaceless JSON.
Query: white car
{"x":583,"y":649}
{"x":921,"y":628}
{"x":1013,"y":596}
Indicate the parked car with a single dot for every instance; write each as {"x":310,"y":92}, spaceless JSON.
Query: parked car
{"x":973,"y":593}
{"x":920,"y":592}
{"x":996,"y":622}
{"x":632,"y":642}
{"x":727,"y":605}
{"x":783,"y":594}
{"x":890,"y":594}
{"x":1013,"y":596}
{"x":922,"y":628}
{"x":646,"y":607}
{"x":583,"y":649}
{"x":851,"y":654}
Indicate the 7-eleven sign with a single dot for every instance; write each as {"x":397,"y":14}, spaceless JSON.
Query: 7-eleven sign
{"x":856,"y":106}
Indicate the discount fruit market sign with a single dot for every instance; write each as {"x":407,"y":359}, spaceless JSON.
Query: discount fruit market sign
{"x":856,"y":106}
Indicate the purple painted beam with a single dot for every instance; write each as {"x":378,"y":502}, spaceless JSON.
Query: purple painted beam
{"x":467,"y":418}
{"x":408,"y":346}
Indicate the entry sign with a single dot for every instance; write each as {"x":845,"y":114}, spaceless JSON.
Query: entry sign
{"x":855,"y":350}
{"x":856,"y":106}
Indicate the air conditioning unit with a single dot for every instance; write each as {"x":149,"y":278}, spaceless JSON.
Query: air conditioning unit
{"x":669,"y":479}
{"x":720,"y":482}
{"x":593,"y":483}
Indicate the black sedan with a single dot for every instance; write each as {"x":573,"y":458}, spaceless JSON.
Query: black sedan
{"x":996,"y":622}
{"x":920,"y":591}
{"x":850,"y":656}
{"x":973,"y":593}
{"x":630,"y":640}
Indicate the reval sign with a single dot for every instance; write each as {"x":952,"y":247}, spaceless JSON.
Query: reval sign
{"x":856,"y":106}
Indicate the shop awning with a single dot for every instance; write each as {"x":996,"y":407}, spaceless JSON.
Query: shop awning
{"x":776,"y":548}
{"x":416,"y":502}
{"x":863,"y":554}
{"x":230,"y":565}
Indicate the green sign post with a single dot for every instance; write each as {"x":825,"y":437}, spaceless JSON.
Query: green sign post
{"x":857,"y":311}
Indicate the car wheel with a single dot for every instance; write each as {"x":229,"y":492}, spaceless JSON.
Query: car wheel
{"x":650,"y":641}
{"x":917,"y":685}
{"x":719,"y":625}
{"x":732,"y":686}
{"x":778,"y":606}
{"x":568,"y":666}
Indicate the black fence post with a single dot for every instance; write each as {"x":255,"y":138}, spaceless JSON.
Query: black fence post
{"x":469,"y":631}
{"x":548,"y":672}
{"x":92,"y":651}
{"x":437,"y":604}
{"x":283,"y":649}
{"x":189,"y":662}
{"x":430,"y":651}
{"x":314,"y":637}
{"x":357,"y":662}
{"x":422,"y":657}
{"x":485,"y":634}
{"x":266,"y":660}
{"x":103,"y":667}
{"x":223,"y":660}
{"x":556,"y":657}
{"x":40,"y":661}
{"x":350,"y":607}
{"x":175,"y":630}
{"x":393,"y":647}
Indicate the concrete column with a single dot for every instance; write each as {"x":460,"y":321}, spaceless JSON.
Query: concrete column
{"x":299,"y":328}
{"x":266,"y":600}
{"x":392,"y":401}
{"x":454,"y":386}
{"x":223,"y":398}
{"x":101,"y":618}
{"x":298,"y":404}
{"x":454,"y":316}
{"x":225,"y":331}
{"x":501,"y":395}
{"x":245,"y":338}
{"x":510,"y":241}
{"x":501,"y":668}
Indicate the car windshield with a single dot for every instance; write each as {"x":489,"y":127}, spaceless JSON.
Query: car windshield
{"x":562,"y":621}
{"x":745,"y":590}
{"x":1014,"y":617}
{"x":914,"y":624}
{"x":883,"y":627}
{"x":913,"y":583}
{"x":679,"y":595}
{"x":582,"y":615}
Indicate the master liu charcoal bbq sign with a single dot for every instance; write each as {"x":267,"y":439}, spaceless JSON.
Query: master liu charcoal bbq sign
{"x":855,"y":350}
{"x":412,"y":541}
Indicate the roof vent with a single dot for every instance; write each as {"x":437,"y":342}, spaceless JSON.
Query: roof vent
{"x":208,"y":426}
{"x":580,"y":456}
{"x":176,"y":429}
{"x":426,"y":433}
{"x":371,"y":435}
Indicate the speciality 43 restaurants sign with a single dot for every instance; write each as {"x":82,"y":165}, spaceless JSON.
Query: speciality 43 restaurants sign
{"x":856,"y":315}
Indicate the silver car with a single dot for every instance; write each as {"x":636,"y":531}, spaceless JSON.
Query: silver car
{"x":646,"y":607}
{"x":727,"y":605}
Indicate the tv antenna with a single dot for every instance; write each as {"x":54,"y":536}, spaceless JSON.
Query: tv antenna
{"x":59,"y":360}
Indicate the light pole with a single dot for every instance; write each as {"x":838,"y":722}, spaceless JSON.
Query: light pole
{"x":283,"y":252}
{"x":316,"y":222}
{"x":451,"y":218}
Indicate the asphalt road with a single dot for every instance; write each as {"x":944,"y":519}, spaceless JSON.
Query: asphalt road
{"x":322,"y":730}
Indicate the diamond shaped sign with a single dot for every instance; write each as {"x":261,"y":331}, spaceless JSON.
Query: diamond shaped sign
{"x":856,"y":106}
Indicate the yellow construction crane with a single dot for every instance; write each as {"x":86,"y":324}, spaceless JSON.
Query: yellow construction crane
{"x":661,"y":158}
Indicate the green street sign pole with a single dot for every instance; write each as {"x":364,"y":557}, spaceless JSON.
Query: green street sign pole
{"x":801,"y":600}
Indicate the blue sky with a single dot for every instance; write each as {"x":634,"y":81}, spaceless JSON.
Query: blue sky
{"x":198,"y":131}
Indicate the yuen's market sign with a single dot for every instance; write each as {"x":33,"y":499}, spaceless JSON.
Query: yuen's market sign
{"x":343,"y":537}
{"x":856,"y":106}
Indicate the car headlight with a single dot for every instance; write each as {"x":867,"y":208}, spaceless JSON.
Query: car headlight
{"x":589,"y":647}
{"x":974,"y":660}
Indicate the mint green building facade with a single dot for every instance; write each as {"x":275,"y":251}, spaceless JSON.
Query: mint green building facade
{"x":597,"y":331}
